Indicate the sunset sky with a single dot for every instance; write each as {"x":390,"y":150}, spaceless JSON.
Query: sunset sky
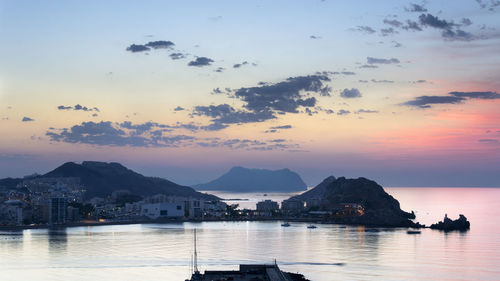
{"x":405,"y":93}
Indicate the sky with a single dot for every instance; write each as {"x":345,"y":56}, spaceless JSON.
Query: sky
{"x":403,"y":92}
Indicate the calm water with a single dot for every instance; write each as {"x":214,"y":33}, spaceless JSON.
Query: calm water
{"x":330,"y":252}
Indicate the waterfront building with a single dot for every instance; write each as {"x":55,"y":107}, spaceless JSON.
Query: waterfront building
{"x":57,"y":210}
{"x":267,"y":206}
{"x":292,"y":206}
{"x":162,"y":210}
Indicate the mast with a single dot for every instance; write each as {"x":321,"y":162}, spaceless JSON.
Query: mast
{"x":195,"y":262}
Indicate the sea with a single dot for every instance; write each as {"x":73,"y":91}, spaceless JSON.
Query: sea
{"x":148,"y":252}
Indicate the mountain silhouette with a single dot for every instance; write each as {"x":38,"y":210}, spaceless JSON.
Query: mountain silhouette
{"x":240,"y":179}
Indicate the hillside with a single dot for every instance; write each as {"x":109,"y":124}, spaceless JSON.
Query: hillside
{"x":240,"y":179}
{"x":101,"y":179}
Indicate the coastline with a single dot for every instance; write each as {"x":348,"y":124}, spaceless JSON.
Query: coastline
{"x":172,"y":221}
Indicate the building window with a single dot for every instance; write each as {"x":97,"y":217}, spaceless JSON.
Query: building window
{"x":179,"y":207}
{"x":164,"y":213}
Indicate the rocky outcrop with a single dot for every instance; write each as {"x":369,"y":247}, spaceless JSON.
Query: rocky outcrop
{"x":379,"y":208}
{"x":240,"y":179}
{"x":461,"y":224}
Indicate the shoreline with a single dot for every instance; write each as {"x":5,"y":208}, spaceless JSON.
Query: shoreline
{"x":172,"y":221}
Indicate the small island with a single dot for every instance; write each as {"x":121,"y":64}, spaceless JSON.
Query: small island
{"x":460,"y":224}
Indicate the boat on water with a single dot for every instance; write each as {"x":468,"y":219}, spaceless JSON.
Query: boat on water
{"x":312,"y":226}
{"x":286,"y":224}
{"x":246,"y":272}
{"x":414,"y":232}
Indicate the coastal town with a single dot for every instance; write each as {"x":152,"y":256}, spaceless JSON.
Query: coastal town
{"x":100,"y":193}
{"x":43,"y":201}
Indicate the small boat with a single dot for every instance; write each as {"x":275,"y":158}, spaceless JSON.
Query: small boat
{"x":265,"y":194}
{"x":414,"y":232}
{"x":286,"y":224}
{"x":311,"y":226}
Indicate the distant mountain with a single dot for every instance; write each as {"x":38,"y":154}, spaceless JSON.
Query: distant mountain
{"x":240,"y":179}
{"x":380,"y":208}
{"x":101,"y":179}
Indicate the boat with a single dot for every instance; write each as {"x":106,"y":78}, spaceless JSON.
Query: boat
{"x":286,"y":224}
{"x":414,"y":232}
{"x":311,"y":226}
{"x":245,"y":272}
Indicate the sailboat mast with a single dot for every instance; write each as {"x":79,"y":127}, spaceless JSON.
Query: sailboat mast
{"x":195,"y":264}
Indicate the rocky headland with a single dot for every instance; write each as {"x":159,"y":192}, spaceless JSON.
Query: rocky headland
{"x":375,"y":207}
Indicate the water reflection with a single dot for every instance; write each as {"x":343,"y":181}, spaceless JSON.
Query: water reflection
{"x":330,"y":252}
{"x":57,"y":240}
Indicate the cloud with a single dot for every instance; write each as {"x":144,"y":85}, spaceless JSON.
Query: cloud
{"x":364,"y":29}
{"x":393,"y":23}
{"x":451,"y":98}
{"x":420,"y":81}
{"x":238,"y":65}
{"x":78,"y":107}
{"x":388,"y":31}
{"x":224,"y":114}
{"x":151,"y":134}
{"x":179,"y":108}
{"x":284,"y":96}
{"x":465,"y":22}
{"x":343,"y":112}
{"x":426,"y":101}
{"x":282,"y":127}
{"x":416,"y":8}
{"x":160,"y":44}
{"x":371,"y":60}
{"x":106,"y":133}
{"x":27,"y":119}
{"x":200,"y":61}
{"x":276,"y":129}
{"x":412,"y":26}
{"x":457,"y":35}
{"x":348,"y":73}
{"x":433,"y":21}
{"x":491,"y":5}
{"x":382,"y":81}
{"x":450,"y":30}
{"x":369,"y":66}
{"x":177,"y":56}
{"x":397,"y":44}
{"x":476,"y":95}
{"x":137,"y":48}
{"x":315,"y":37}
{"x":489,"y":141}
{"x":366,"y":111}
{"x":352,"y":93}
{"x":219,"y":69}
{"x":266,"y":101}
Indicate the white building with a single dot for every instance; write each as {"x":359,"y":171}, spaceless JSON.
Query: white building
{"x":162,"y":210}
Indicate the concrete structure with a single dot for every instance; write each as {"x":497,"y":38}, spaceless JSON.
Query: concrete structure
{"x":267,"y":206}
{"x":313,"y":203}
{"x":57,"y":210}
{"x":292,"y":206}
{"x":162,"y":210}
